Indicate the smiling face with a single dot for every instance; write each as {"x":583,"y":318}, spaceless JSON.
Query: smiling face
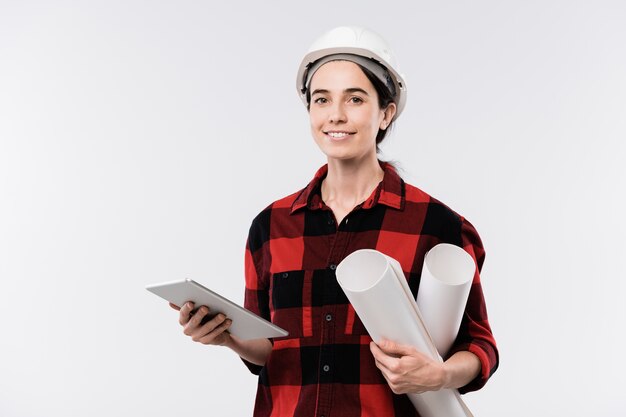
{"x":344,"y":111}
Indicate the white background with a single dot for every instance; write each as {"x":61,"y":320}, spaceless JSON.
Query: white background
{"x":138,"y":139}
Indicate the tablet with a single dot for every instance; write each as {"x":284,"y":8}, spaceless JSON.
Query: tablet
{"x":245,"y":325}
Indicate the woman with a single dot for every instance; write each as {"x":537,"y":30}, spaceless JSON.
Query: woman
{"x":328,"y":365}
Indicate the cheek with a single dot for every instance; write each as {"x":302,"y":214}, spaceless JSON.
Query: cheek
{"x":317,"y":120}
{"x":314,"y":118}
{"x":315,"y":124}
{"x":368,"y":120}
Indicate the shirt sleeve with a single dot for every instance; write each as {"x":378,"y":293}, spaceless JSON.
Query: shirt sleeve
{"x":475,"y":332}
{"x":256,"y":296}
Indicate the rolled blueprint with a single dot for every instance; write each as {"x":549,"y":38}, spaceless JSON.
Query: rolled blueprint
{"x":377,"y":289}
{"x":446,"y":281}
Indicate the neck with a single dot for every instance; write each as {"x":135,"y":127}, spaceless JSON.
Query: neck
{"x":349,"y":183}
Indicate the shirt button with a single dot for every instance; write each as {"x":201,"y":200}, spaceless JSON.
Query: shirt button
{"x":326,"y":368}
{"x":329,"y":317}
{"x":331,"y":222}
{"x":285,"y":274}
{"x":333,"y":267}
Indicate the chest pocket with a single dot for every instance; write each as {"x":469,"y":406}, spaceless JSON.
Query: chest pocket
{"x":290,"y":302}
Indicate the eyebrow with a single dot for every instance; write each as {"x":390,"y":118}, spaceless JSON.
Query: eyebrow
{"x":347,"y":90}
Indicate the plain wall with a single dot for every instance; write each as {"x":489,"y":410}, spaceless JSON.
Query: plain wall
{"x":138,"y":139}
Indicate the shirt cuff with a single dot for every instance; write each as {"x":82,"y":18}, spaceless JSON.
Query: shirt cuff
{"x":485,"y":366}
{"x":254,"y":368}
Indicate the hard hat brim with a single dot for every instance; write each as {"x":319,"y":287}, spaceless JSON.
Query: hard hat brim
{"x":313,"y":56}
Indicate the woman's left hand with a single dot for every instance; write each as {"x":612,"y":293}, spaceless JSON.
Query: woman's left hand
{"x":407,"y":370}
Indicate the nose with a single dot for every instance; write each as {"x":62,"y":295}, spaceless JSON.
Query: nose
{"x":337,"y":113}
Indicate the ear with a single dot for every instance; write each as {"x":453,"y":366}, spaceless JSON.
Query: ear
{"x":388,"y":114}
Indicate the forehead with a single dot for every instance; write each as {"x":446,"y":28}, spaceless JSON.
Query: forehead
{"x":340,"y":75}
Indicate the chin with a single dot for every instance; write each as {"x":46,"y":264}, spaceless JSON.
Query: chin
{"x":343,"y":156}
{"x":342,"y":153}
{"x":336,"y":153}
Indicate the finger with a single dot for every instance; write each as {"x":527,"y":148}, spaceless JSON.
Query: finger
{"x":396,"y":349}
{"x":185,"y":313}
{"x":196,"y":319}
{"x":175,"y":307}
{"x":209,"y":326}
{"x":397,"y":381}
{"x":212,"y":324}
{"x":387,"y":363}
{"x":376,"y":352}
{"x":383,"y":369}
{"x":216,"y":333}
{"x":390,"y":377}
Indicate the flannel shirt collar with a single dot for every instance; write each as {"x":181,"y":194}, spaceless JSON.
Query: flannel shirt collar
{"x":390,"y":191}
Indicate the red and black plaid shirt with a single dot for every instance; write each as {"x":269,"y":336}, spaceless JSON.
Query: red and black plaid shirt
{"x":324,"y":367}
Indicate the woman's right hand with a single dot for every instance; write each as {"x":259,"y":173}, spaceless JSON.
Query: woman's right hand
{"x":212,"y":332}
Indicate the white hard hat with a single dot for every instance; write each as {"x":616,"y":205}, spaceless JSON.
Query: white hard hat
{"x":358,"y":41}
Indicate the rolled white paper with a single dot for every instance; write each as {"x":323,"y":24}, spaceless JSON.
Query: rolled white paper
{"x":377,"y":289}
{"x":382,"y":301}
{"x":446,"y":281}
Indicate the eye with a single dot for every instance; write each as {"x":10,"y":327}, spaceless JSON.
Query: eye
{"x":356,"y":100}
{"x":320,"y":100}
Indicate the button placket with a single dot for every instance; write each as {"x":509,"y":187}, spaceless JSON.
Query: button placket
{"x":338,"y":240}
{"x":330,"y":218}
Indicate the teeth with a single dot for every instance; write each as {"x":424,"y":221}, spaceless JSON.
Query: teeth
{"x":337,"y":135}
